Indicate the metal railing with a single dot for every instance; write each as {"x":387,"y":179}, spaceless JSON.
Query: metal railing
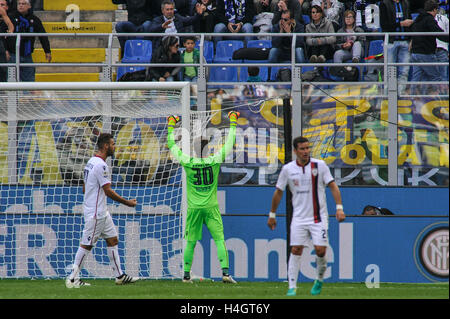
{"x":390,"y":81}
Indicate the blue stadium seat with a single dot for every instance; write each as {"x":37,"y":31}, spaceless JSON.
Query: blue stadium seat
{"x":375,"y":47}
{"x":223,"y":74}
{"x":127,"y":69}
{"x":274,"y":71}
{"x":259,"y":44}
{"x":225,"y":49}
{"x":208,"y":50}
{"x":306,"y":19}
{"x":137,"y":51}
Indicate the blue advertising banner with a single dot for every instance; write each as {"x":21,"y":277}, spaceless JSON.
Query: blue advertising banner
{"x":367,"y":249}
{"x":40,"y":230}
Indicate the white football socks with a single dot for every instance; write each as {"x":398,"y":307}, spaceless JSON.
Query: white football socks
{"x":113,"y":254}
{"x":321,"y":267}
{"x":293,"y":269}
{"x":80,"y":258}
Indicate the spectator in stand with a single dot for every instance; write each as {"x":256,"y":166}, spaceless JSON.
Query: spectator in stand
{"x":26,"y":22}
{"x":182,"y":7}
{"x":306,"y":6}
{"x":6,"y":26}
{"x":168,"y":53}
{"x":333,"y":10}
{"x":350,"y":46}
{"x":319,"y":48}
{"x":234,"y":16}
{"x":281,"y":46}
{"x":397,"y":18}
{"x":263,"y":19}
{"x":292,"y":5}
{"x":190,"y":55}
{"x":442,"y":47}
{"x":170,"y":22}
{"x":207,"y":20}
{"x":264,"y":6}
{"x":423,"y":48}
{"x":140,"y":15}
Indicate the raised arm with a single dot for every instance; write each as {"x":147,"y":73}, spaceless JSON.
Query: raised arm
{"x":228,"y":146}
{"x":173,"y":147}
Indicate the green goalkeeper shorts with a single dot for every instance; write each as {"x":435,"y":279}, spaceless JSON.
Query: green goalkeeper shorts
{"x":196,"y":217}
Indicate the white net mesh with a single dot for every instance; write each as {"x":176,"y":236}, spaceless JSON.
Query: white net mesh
{"x":44,"y":147}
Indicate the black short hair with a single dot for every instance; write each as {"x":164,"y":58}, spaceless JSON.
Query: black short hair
{"x":201,"y":142}
{"x":299,"y":140}
{"x":291,"y":13}
{"x":253,"y":70}
{"x":103,"y":139}
{"x":189,"y":38}
{"x":430,"y":5}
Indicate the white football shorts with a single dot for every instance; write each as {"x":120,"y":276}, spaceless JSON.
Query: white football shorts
{"x":98,"y":228}
{"x":301,"y":235}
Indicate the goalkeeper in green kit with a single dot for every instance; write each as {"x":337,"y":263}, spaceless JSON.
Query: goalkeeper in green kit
{"x":203,"y":208}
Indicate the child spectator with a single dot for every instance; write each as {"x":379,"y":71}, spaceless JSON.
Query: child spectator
{"x":190,"y":55}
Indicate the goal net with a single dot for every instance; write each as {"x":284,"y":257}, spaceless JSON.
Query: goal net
{"x":48,"y":132}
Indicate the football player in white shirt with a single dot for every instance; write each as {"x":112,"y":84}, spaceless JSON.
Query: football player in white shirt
{"x":307,"y":178}
{"x":97,"y":220}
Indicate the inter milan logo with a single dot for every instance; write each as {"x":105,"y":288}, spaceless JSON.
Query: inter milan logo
{"x":314,"y":172}
{"x":431,"y":252}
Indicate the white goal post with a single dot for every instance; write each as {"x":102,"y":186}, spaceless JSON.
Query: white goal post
{"x":47,"y":133}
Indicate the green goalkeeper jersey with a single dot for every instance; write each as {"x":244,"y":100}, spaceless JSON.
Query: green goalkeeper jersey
{"x":202,"y":173}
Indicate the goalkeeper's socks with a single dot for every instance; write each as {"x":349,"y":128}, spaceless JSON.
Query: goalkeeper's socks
{"x":225,"y":272}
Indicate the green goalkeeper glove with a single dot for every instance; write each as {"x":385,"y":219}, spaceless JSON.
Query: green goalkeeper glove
{"x":172,"y":121}
{"x":233,"y":116}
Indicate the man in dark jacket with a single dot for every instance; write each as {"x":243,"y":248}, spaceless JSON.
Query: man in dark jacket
{"x":26,"y":22}
{"x":140,"y":15}
{"x":170,"y":22}
{"x":281,"y":46}
{"x":423,"y":48}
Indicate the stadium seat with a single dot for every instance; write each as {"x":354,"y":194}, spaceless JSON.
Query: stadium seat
{"x":259,"y":44}
{"x":137,"y":51}
{"x":375,"y":47}
{"x":208,"y":50}
{"x":306,"y":19}
{"x":274,"y":71}
{"x":127,"y":69}
{"x":223,"y":74}
{"x":225,"y":49}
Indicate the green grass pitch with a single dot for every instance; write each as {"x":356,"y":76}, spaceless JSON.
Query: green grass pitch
{"x":175,"y":289}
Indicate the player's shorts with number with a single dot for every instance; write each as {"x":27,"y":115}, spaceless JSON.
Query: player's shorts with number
{"x":98,"y":228}
{"x":210,"y":217}
{"x":301,"y":235}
